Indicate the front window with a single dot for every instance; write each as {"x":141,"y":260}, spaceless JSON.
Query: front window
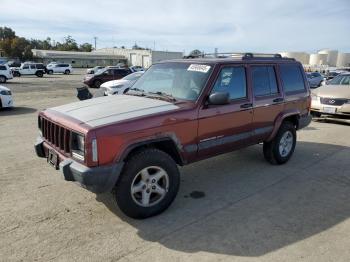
{"x":179,"y":80}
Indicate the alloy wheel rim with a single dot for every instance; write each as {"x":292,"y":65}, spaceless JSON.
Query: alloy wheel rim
{"x":149,"y":186}
{"x":286,"y":144}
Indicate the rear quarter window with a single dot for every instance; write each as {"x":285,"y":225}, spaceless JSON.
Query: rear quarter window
{"x":292,"y":78}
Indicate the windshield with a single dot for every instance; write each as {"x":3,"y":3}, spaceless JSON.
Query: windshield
{"x":133,"y":76}
{"x":340,"y":80}
{"x":179,"y":80}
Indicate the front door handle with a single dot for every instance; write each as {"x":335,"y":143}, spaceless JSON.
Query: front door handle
{"x":248,"y":105}
{"x":277,"y":100}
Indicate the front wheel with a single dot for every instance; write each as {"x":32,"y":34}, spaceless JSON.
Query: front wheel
{"x":2,"y":79}
{"x":67,"y":72}
{"x":148,"y":184}
{"x":50,"y":72}
{"x":281,"y":148}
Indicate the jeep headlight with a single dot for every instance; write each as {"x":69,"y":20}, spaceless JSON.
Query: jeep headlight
{"x":78,"y":146}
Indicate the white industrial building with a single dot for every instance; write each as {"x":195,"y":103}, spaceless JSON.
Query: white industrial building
{"x":141,"y":57}
{"x":106,"y":56}
{"x":323,"y":58}
{"x":78,"y":59}
{"x":302,"y":57}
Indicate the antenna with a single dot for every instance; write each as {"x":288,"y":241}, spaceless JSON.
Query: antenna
{"x":95,"y":39}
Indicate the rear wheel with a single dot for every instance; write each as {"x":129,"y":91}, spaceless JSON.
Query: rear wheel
{"x":2,"y":79}
{"x":281,"y":148}
{"x":39,"y":74}
{"x":148,"y":184}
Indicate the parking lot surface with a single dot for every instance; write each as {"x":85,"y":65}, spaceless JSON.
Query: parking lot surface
{"x":234,"y":207}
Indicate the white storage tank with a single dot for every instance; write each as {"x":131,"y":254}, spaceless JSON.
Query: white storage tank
{"x":332,"y":56}
{"x":302,"y":57}
{"x":343,"y":60}
{"x":318,"y":59}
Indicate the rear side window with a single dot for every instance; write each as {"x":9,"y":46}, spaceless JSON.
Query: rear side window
{"x":2,"y":67}
{"x":264,"y":80}
{"x":233,"y":81}
{"x":292,"y":78}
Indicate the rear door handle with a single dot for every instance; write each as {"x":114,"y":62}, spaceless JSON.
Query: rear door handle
{"x":248,"y":105}
{"x":277,"y":100}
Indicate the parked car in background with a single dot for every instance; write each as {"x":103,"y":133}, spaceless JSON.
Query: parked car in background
{"x":136,"y":68}
{"x":5,"y":73}
{"x":60,"y":68}
{"x":121,"y":86}
{"x":104,"y":75}
{"x":13,"y":64}
{"x":94,"y":69}
{"x":178,"y":112}
{"x":315,"y":79}
{"x":30,"y":69}
{"x":331,"y":75}
{"x":333,"y":98}
{"x":5,"y":97}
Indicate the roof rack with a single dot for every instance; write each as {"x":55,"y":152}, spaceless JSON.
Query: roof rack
{"x":244,"y":55}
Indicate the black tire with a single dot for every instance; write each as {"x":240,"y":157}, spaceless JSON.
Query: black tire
{"x":39,"y":74}
{"x":67,"y":72}
{"x":271,"y":149}
{"x":315,"y":114}
{"x":147,"y":158}
{"x":3,"y":79}
{"x":97,"y":83}
{"x":50,"y":72}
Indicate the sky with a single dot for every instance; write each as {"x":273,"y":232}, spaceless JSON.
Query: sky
{"x":184,"y":25}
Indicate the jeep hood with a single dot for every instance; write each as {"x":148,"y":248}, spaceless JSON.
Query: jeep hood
{"x":333,"y":91}
{"x":111,"y":109}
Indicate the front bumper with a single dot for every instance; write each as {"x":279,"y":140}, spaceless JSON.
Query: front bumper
{"x":317,"y":106}
{"x":95,"y":179}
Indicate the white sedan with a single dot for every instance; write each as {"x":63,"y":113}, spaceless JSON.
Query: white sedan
{"x":5,"y":97}
{"x":119,"y":87}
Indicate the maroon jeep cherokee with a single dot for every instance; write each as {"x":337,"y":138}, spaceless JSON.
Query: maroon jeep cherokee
{"x":178,"y":112}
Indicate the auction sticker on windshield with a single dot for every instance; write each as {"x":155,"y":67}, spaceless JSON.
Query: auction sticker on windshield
{"x":198,"y":68}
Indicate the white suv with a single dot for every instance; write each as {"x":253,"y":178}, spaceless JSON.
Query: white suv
{"x":59,"y":68}
{"x":5,"y":73}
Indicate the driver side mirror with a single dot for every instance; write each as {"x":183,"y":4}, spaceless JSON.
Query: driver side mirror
{"x":219,"y":98}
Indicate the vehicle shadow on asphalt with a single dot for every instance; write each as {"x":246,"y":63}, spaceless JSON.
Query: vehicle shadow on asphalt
{"x":16,"y":111}
{"x":252,"y":208}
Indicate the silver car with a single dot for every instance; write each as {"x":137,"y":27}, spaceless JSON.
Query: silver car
{"x":315,"y":79}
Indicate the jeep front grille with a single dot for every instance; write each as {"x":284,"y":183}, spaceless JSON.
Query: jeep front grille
{"x":57,"y":136}
{"x":333,"y":101}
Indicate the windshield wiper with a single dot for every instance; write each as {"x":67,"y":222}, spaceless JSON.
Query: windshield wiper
{"x":137,"y":92}
{"x":164,"y":95}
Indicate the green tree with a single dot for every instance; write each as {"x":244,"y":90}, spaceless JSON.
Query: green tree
{"x":6,"y":33}
{"x":69,"y":44}
{"x":86,"y":47}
